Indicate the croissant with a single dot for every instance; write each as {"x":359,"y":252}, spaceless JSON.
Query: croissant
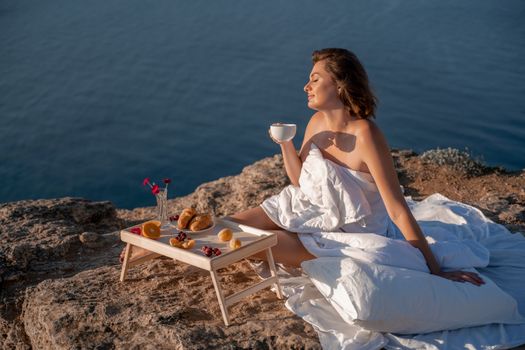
{"x":185,"y":218}
{"x":200,"y":222}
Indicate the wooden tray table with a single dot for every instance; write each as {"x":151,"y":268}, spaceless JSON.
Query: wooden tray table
{"x":253,"y":241}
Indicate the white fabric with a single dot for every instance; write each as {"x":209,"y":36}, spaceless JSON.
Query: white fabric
{"x":329,"y":197}
{"x":399,"y":300}
{"x":377,"y":249}
{"x":332,"y":198}
{"x":440,"y":219}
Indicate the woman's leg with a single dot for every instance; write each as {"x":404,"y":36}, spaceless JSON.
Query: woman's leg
{"x":289,"y":249}
{"x":255,"y":217}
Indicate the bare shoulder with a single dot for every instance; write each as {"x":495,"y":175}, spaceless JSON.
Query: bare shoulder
{"x":315,"y":125}
{"x":367,"y":131}
{"x":365,"y":126}
{"x":315,"y":121}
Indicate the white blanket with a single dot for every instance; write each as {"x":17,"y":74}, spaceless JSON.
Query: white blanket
{"x":323,"y":201}
{"x":460,"y":236}
{"x":377,"y":249}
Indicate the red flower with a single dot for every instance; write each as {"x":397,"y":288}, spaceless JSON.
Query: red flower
{"x":145,"y":182}
{"x":155,"y":189}
{"x":136,"y":230}
{"x":167,"y":181}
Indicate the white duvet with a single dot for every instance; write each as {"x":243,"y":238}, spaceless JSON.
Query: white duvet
{"x":326,"y":200}
{"x":460,"y":237}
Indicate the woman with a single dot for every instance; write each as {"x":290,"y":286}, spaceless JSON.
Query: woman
{"x":343,"y":131}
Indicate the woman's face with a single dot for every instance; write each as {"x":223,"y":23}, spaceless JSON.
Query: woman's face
{"x":322,"y":90}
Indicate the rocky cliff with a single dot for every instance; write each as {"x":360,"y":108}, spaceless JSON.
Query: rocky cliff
{"x":59,"y":265}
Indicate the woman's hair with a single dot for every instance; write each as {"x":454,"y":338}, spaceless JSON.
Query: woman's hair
{"x":350,"y":76}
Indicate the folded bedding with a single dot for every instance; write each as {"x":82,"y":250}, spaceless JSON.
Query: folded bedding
{"x":399,"y":300}
{"x":378,"y":249}
{"x":367,"y":291}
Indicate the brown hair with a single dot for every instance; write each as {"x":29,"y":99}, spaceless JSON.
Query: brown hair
{"x":350,"y":76}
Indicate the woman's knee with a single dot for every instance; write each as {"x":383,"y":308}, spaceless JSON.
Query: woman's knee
{"x":289,"y":249}
{"x":255,"y":217}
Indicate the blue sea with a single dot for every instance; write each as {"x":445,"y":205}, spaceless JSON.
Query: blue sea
{"x":96,"y":95}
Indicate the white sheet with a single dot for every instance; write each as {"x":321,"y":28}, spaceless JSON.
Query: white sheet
{"x":404,"y":301}
{"x":441,"y":220}
{"x":323,"y":201}
{"x":377,"y":249}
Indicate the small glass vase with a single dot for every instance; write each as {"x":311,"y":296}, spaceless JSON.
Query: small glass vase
{"x":162,"y":207}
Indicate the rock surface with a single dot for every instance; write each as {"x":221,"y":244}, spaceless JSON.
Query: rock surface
{"x":59,"y":266}
{"x":40,"y":240}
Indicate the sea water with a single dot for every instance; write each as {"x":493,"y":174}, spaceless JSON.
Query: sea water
{"x":97,"y":95}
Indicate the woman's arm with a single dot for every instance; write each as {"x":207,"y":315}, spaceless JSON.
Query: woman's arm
{"x":376,"y":154}
{"x":293,"y":162}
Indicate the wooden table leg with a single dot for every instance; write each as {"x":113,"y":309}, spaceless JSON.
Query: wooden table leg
{"x":127,"y":255}
{"x":271,"y":264}
{"x":220,"y":297}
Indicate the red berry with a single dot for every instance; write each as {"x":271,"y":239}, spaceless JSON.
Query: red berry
{"x":218,"y":252}
{"x":176,"y":217}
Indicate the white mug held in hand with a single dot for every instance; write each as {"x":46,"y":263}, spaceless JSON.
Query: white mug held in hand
{"x":282,"y":132}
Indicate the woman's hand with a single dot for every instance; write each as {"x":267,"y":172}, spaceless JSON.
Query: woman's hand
{"x":462,"y":276}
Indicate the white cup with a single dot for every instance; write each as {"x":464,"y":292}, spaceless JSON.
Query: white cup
{"x":283,"y":132}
